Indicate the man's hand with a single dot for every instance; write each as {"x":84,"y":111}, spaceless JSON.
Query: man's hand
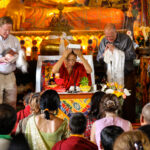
{"x":111,"y":47}
{"x":3,"y":60}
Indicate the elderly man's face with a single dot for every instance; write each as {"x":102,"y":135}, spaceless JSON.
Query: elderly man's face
{"x":110,"y":35}
{"x":70,"y":61}
{"x":5,"y":30}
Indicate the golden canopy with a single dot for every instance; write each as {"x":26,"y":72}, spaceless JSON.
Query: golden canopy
{"x":33,"y":15}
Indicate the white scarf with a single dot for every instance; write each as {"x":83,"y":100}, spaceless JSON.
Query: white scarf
{"x":21,"y":62}
{"x":115,"y":66}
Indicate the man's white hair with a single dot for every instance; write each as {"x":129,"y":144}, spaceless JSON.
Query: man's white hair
{"x":146,"y":113}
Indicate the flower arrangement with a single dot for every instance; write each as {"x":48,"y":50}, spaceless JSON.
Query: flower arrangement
{"x":145,"y":31}
{"x":142,"y":35}
{"x":140,"y":39}
{"x":115,"y":88}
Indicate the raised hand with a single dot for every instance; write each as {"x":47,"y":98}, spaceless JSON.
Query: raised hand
{"x":110,"y":46}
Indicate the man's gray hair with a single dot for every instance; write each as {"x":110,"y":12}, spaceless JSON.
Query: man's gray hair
{"x":146,"y":113}
{"x":110,"y":26}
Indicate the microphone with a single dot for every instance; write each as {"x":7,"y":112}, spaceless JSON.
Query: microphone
{"x":75,"y":88}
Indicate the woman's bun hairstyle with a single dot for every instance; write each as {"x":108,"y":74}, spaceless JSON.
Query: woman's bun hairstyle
{"x":110,"y":103}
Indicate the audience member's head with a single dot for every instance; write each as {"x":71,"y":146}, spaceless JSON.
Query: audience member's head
{"x":110,"y":103}
{"x":77,"y":123}
{"x":95,"y":112}
{"x":26,"y":98}
{"x":145,"y":115}
{"x":132,"y":140}
{"x":146,"y":130}
{"x":19,"y":142}
{"x":34,"y":103}
{"x":109,"y":135}
{"x":49,"y":103}
{"x":7,"y":118}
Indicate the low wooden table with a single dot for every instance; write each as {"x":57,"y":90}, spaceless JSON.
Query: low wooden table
{"x":75,"y":102}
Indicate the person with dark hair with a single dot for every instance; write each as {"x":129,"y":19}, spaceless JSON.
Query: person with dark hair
{"x":132,"y":140}
{"x":76,"y":141}
{"x":19,"y":142}
{"x":70,"y":70}
{"x":7,"y":122}
{"x":110,"y":104}
{"x":95,"y":112}
{"x":24,"y":112}
{"x":44,"y":130}
{"x":109,"y":135}
{"x":77,"y":123}
{"x":8,"y":87}
{"x":145,"y":129}
{"x":34,"y":104}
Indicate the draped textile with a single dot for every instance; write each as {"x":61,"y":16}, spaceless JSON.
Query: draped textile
{"x":21,"y":127}
{"x":80,"y":18}
{"x":77,"y":73}
{"x":115,"y":66}
{"x":94,"y":18}
{"x":21,"y":115}
{"x":43,"y":141}
{"x":75,"y":143}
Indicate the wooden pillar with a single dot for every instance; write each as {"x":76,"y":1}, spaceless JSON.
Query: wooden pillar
{"x":144,"y":12}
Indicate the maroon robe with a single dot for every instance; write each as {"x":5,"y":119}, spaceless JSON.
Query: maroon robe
{"x":21,"y":115}
{"x":77,"y":73}
{"x":75,"y":143}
